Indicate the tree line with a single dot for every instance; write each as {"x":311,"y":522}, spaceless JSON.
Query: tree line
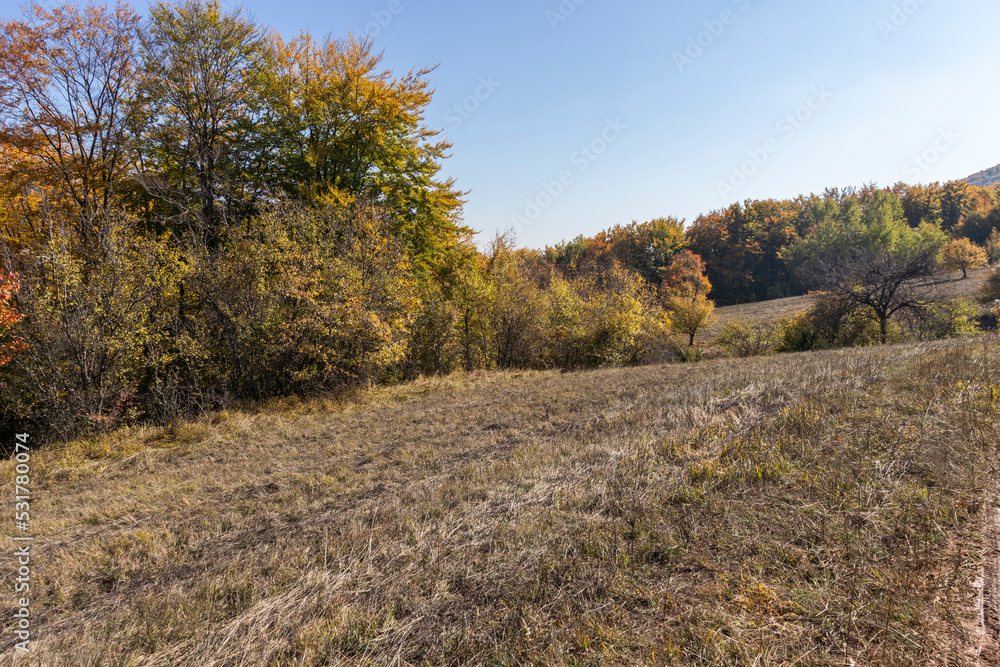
{"x":197,"y":212}
{"x":756,"y":250}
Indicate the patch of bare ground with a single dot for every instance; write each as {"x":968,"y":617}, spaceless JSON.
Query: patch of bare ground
{"x":814,"y":509}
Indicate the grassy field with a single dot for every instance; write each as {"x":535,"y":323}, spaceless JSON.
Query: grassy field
{"x":947,"y":286}
{"x":815,"y":509}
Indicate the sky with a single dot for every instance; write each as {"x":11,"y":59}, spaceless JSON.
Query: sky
{"x":570,"y":116}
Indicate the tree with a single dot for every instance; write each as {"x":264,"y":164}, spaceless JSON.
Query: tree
{"x":341,"y":128}
{"x":688,"y":314}
{"x":202,"y":69}
{"x":686,"y":275}
{"x":685,"y":294}
{"x":67,"y":94}
{"x":873,"y":227}
{"x":962,"y":255}
{"x":879,"y":281}
{"x":741,"y":248}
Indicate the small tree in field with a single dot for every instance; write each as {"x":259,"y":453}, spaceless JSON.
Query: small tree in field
{"x":685,"y":294}
{"x":690,"y":314}
{"x":962,"y":255}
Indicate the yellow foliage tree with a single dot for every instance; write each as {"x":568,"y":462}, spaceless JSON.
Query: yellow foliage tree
{"x":689,"y":314}
{"x":961,"y":255}
{"x":344,"y":128}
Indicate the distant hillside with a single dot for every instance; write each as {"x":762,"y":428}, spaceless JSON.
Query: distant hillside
{"x":990,"y":176}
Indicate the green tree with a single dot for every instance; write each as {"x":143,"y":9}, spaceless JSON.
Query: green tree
{"x":202,"y":83}
{"x":342,"y":128}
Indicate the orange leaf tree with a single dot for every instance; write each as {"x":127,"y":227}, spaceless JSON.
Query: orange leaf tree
{"x":9,"y":344}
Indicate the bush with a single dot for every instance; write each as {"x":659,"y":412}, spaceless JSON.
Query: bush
{"x":622,"y":321}
{"x":90,"y":321}
{"x":744,"y":338}
{"x":798,"y":333}
{"x":839,"y":324}
{"x":990,"y":291}
{"x":303,"y":299}
{"x":947,"y":319}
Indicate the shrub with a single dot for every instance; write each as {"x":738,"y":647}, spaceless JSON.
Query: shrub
{"x":89,"y":322}
{"x":947,"y":319}
{"x":622,"y":321}
{"x":513,"y":309}
{"x":566,"y":324}
{"x":798,"y":333}
{"x":302,"y":299}
{"x":436,"y":348}
{"x":745,"y":338}
{"x":990,"y":291}
{"x":840,"y":324}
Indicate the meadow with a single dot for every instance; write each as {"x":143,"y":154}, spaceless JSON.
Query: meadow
{"x":825,"y":508}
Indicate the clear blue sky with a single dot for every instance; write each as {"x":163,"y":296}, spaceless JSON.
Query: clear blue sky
{"x":887,"y":80}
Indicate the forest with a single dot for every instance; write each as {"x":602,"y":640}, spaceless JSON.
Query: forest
{"x":197,"y":212}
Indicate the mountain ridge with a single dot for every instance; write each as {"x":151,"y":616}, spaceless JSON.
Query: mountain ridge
{"x":989,"y":176}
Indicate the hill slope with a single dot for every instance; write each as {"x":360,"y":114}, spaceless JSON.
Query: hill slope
{"x":989,"y":176}
{"x":803,"y":509}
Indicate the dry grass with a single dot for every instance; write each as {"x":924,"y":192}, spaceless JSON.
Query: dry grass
{"x":947,"y":286}
{"x":794,"y":510}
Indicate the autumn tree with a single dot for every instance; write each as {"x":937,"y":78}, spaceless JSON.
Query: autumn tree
{"x":685,"y":295}
{"x":686,"y":275}
{"x":202,"y":70}
{"x":67,"y":98}
{"x":961,"y":255}
{"x":741,"y":246}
